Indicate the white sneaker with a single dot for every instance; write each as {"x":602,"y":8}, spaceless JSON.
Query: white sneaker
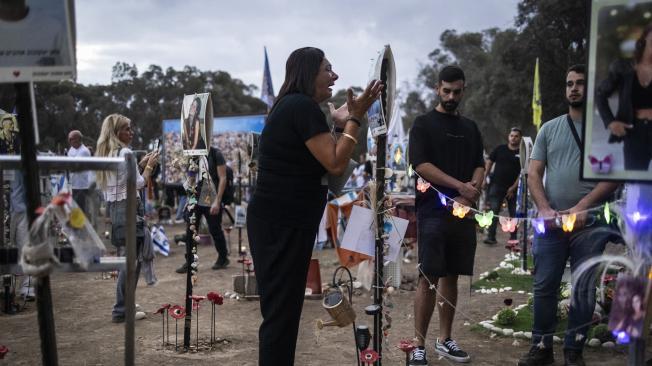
{"x":140,"y":315}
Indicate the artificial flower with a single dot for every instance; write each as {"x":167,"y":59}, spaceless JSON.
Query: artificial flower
{"x":177,"y":312}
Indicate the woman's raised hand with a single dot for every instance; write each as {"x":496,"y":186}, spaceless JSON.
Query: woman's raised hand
{"x":358,"y":105}
{"x":339,"y":115}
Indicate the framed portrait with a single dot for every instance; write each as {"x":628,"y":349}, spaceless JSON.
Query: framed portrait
{"x":37,"y":42}
{"x":628,"y":308}
{"x":618,"y":115}
{"x":196,"y":123}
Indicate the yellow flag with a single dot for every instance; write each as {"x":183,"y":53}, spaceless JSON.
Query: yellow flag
{"x":536,"y":98}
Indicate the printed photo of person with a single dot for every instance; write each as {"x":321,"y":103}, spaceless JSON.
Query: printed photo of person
{"x":9,"y":139}
{"x":628,"y":308}
{"x":618,"y":125}
{"x":193,"y":124}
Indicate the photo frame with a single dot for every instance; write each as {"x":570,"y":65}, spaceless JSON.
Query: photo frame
{"x":196,"y":122}
{"x":39,"y":45}
{"x":615,"y":27}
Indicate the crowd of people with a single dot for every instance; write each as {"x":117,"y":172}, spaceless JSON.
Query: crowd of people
{"x":297,"y":150}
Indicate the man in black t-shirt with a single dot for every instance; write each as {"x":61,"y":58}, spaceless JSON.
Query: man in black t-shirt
{"x":445,"y":150}
{"x":504,"y":180}
{"x":209,"y":205}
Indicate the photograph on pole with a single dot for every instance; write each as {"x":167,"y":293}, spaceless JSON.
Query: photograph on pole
{"x":37,"y":41}
{"x":618,"y":118}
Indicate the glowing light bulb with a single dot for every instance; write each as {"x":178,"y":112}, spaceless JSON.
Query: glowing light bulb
{"x":485,"y":219}
{"x":422,"y":185}
{"x":607,"y":213}
{"x":442,"y":199}
{"x":621,"y":336}
{"x":568,"y":222}
{"x":539,"y":225}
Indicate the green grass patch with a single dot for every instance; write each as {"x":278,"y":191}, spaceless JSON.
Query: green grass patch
{"x":506,"y":279}
{"x":523,"y":323}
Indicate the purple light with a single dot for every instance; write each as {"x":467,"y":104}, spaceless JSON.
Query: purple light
{"x":442,"y":198}
{"x":539,"y":225}
{"x":621,"y":336}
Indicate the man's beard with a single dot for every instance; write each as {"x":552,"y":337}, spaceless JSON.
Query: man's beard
{"x":450,"y":106}
{"x":576,"y":104}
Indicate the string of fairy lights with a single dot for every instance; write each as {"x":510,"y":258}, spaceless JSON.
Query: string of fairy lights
{"x":510,"y":224}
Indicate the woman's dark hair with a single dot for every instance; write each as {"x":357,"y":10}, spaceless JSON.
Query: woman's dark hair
{"x":640,"y":44}
{"x":198,"y":101}
{"x":301,"y":69}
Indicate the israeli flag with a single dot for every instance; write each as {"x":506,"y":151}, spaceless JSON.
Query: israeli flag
{"x":160,"y":240}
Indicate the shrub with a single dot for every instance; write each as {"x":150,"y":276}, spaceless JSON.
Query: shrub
{"x":506,"y":316}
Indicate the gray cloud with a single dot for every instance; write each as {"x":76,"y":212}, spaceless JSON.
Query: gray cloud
{"x":230,"y":35}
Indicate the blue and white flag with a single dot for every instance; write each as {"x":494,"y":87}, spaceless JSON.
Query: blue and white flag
{"x":161,"y":243}
{"x":267,"y":92}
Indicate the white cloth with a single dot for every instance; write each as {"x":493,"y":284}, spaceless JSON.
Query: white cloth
{"x":116,"y":182}
{"x":82,"y":179}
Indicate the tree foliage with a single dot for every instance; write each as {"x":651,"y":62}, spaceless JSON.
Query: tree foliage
{"x":499,"y":67}
{"x":146,"y":98}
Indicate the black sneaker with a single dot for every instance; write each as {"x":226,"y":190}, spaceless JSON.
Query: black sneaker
{"x":418,"y":357}
{"x":537,"y":357}
{"x":573,"y":357}
{"x":183,"y":268}
{"x":451,"y":350}
{"x":221,"y":264}
{"x":490,"y":241}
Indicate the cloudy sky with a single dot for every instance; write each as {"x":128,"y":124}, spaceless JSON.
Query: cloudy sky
{"x":230,"y":35}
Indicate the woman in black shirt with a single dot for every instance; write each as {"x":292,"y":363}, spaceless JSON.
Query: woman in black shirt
{"x":632,"y":123}
{"x":296,"y":151}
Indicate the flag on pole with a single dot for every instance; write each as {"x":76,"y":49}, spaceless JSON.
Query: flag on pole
{"x":267,"y":92}
{"x":537,"y":110}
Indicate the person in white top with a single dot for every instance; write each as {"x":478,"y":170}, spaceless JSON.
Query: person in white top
{"x":80,"y":182}
{"x":115,"y":137}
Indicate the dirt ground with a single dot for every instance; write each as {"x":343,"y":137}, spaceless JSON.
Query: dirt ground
{"x":86,"y":336}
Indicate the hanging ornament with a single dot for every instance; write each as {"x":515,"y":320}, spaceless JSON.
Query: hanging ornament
{"x":607,"y":213}
{"x":77,"y":218}
{"x":568,"y":221}
{"x":508,"y":224}
{"x":485,"y":219}
{"x":460,"y":210}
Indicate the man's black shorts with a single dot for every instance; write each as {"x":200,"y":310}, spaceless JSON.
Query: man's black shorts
{"x":446,"y":244}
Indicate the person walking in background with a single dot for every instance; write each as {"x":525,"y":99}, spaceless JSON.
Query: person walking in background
{"x":114,"y":141}
{"x":296,"y":151}
{"x":557,"y":153}
{"x":80,"y":182}
{"x":446,"y":150}
{"x":504,"y":180}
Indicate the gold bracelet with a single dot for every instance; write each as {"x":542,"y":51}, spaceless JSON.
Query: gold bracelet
{"x":350,"y":137}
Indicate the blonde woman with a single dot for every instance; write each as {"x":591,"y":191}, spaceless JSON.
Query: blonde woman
{"x":115,"y":137}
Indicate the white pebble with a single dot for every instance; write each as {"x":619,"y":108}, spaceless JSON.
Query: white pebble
{"x":594,"y":342}
{"x":508,"y":289}
{"x":516,"y":343}
{"x":527,"y":335}
{"x":508,"y":332}
{"x":556,"y":339}
{"x":608,"y":345}
{"x":494,"y":290}
{"x":520,"y":291}
{"x":518,"y":334}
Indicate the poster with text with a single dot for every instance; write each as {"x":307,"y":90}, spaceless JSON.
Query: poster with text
{"x":36,"y":41}
{"x":618,"y":117}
